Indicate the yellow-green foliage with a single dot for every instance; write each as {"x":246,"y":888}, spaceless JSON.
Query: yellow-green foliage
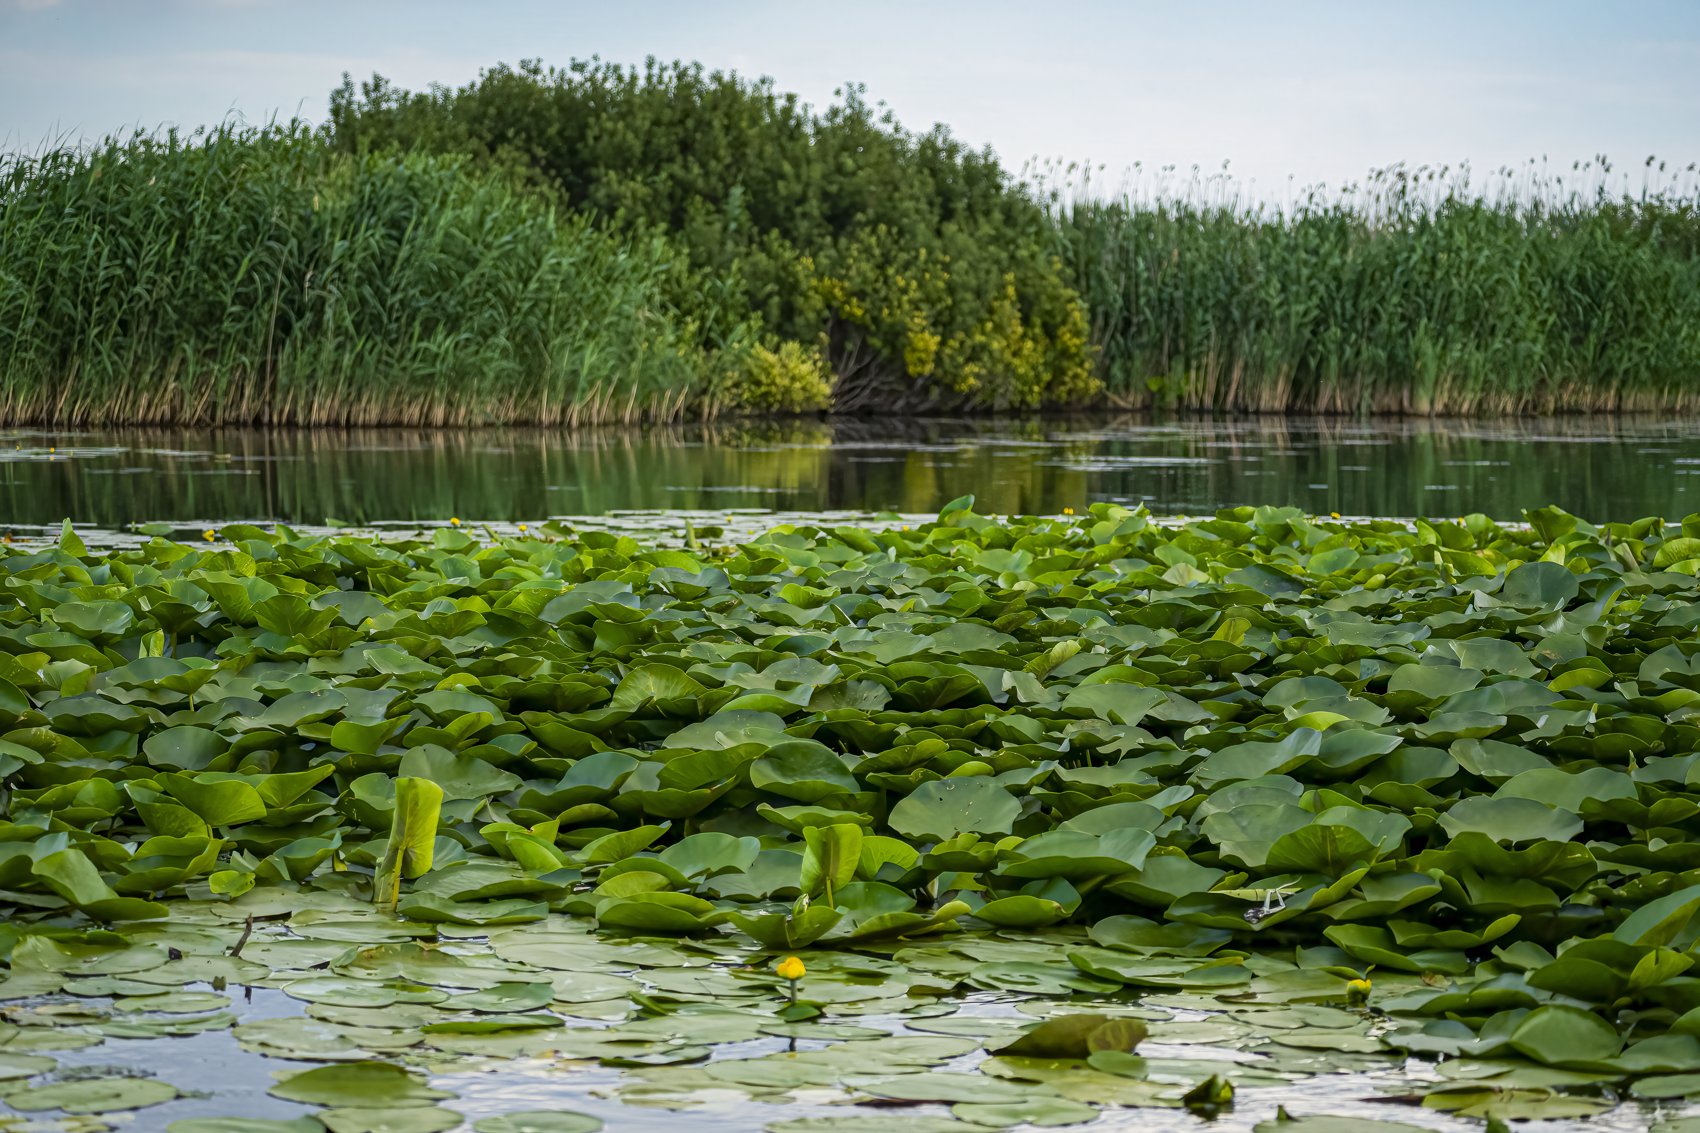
{"x":935,"y":326}
{"x":920,"y":266}
{"x":789,"y":379}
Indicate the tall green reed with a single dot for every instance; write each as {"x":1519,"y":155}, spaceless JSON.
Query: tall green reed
{"x":246,"y":275}
{"x":1415,"y":292}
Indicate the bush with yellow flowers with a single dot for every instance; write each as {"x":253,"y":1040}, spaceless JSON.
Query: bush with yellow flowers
{"x":789,"y":378}
{"x":824,"y":257}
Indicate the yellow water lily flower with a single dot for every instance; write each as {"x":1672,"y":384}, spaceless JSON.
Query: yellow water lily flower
{"x":523,"y":529}
{"x":791,"y":968}
{"x":1068,"y":511}
{"x":1333,"y":515}
{"x":454,"y":521}
{"x":1357,"y":992}
{"x":208,"y":535}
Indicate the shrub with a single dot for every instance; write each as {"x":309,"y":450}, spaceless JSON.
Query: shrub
{"x":919,"y":263}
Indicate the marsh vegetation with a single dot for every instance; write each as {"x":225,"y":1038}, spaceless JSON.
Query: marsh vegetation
{"x":1047,"y":798}
{"x":598,"y":243}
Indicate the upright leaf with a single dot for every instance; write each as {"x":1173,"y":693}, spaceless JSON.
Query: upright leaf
{"x":413,"y":831}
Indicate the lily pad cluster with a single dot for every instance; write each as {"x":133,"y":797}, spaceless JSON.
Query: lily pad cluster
{"x":962,"y":1034}
{"x":1265,"y":758}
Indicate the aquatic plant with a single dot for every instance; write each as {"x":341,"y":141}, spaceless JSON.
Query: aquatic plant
{"x":1276,"y":765}
{"x":1420,"y":291}
{"x":917,"y":266}
{"x":248,"y":275}
{"x":598,"y":243}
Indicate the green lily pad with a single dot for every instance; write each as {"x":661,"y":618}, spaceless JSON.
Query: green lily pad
{"x":539,"y":1121}
{"x":243,"y":1125}
{"x":415,"y":1119}
{"x":357,"y":1085}
{"x":1041,"y":1111}
{"x":93,"y":1095}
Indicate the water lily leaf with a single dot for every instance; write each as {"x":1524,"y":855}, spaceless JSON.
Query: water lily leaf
{"x":621,"y":844}
{"x":458,"y":775}
{"x":503,"y":998}
{"x":73,"y":876}
{"x":186,"y":748}
{"x":93,"y":1095}
{"x":1076,"y":855}
{"x":1139,"y":935}
{"x":1326,"y":1124}
{"x":13,"y":1066}
{"x":661,"y":685}
{"x":243,"y":1125}
{"x":789,"y":930}
{"x":418,"y":1119}
{"x":857,"y":1123}
{"x":1513,"y":1104}
{"x":1021,"y":911}
{"x":1660,"y":922}
{"x":93,"y":958}
{"x":1040,"y":1111}
{"x":539,"y":1121}
{"x":804,"y":771}
{"x":831,"y":856}
{"x":945,"y":808}
{"x":217,"y":803}
{"x":1512,"y":820}
{"x":1660,"y":1086}
{"x":413,"y":836}
{"x":1117,"y":703}
{"x":710,"y":852}
{"x":1557,"y":1035}
{"x":1333,"y":850}
{"x":427,"y":908}
{"x":942,"y":1086}
{"x":1569,"y":791}
{"x":1076,"y":1036}
{"x":673,"y":913}
{"x":865,"y":927}
{"x":357,"y":1085}
{"x":1253,"y":760}
{"x":1539,"y":586}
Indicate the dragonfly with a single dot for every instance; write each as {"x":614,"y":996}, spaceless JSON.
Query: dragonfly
{"x":1273,"y":901}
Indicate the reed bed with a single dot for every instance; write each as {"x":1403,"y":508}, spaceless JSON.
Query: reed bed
{"x":249,"y":275}
{"x":1417,"y":292}
{"x":411,"y":263}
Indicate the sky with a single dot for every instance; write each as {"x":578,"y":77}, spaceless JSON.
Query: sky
{"x":1296,"y":93}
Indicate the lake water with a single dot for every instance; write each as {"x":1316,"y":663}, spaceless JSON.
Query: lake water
{"x":1601,"y":468}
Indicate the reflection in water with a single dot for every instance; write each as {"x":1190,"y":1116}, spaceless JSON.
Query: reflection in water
{"x":1612,"y":468}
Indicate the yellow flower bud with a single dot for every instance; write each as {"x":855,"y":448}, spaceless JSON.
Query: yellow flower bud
{"x":1357,"y":992}
{"x":454,"y":521}
{"x":1333,"y":515}
{"x":790,"y":968}
{"x":208,"y":535}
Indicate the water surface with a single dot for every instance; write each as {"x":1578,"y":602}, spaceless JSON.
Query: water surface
{"x":1600,"y":468}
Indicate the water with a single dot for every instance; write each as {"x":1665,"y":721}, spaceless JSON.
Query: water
{"x":1600,"y":468}
{"x":486,"y":1087}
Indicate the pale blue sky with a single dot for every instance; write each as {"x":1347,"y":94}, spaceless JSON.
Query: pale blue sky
{"x":1320,"y":90}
